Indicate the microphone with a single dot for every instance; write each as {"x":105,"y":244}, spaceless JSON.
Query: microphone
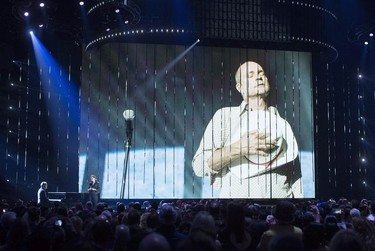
{"x":129,"y":116}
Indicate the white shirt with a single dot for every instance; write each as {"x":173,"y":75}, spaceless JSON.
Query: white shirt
{"x":276,"y":176}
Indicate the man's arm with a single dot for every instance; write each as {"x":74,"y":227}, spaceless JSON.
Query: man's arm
{"x":250,"y":143}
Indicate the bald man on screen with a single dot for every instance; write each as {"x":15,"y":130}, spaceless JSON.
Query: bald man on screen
{"x":249,"y":151}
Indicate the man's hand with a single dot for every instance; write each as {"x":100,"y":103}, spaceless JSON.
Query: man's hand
{"x":255,"y":143}
{"x":251,"y":143}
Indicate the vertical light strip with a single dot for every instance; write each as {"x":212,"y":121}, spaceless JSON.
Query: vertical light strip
{"x":154,"y":109}
{"x":99,"y":94}
{"x":193,"y":110}
{"x":118,"y":115}
{"x":88,"y":131}
{"x":316,"y":128}
{"x":40,"y":105}
{"x":203,"y":109}
{"x":165,"y":113}
{"x":70,"y":96}
{"x":58,"y":121}
{"x":127,"y":103}
{"x":26,"y":114}
{"x":19,"y":127}
{"x":145,"y":111}
{"x":173,"y":129}
{"x":328,"y":128}
{"x":109,"y":88}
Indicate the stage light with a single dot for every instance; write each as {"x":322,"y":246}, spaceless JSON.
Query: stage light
{"x":364,"y":182}
{"x":363,"y":160}
{"x":31,"y":32}
{"x":81,"y":3}
{"x":360,"y":76}
{"x":126,"y":21}
{"x":362,"y":139}
{"x":108,"y":29}
{"x":366,"y":43}
{"x":117,"y":11}
{"x":41,"y":4}
{"x":26,"y":14}
{"x":41,"y":25}
{"x":10,"y":107}
{"x":371,"y":34}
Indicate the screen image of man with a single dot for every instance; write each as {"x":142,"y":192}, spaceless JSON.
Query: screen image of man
{"x":249,"y":151}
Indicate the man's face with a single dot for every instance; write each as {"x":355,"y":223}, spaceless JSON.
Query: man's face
{"x":251,"y":80}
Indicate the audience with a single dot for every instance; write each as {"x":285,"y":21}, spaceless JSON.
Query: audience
{"x":284,"y":216}
{"x":217,"y":225}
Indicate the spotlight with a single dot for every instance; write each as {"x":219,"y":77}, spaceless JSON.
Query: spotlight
{"x":108,"y":29}
{"x":26,"y":14}
{"x":364,"y":182}
{"x":117,"y":10}
{"x":81,"y":3}
{"x":371,"y":34}
{"x":31,"y":32}
{"x":360,"y":76}
{"x":41,"y":25}
{"x":126,"y":21}
{"x":41,"y":4}
{"x":363,"y":160}
{"x":366,"y":43}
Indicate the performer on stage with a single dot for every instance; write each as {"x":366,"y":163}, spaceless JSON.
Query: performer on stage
{"x":43,"y":195}
{"x":93,"y":189}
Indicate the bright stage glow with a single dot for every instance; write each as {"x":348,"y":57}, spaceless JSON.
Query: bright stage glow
{"x":166,"y":179}
{"x":366,"y":42}
{"x":26,"y":14}
{"x":41,"y":4}
{"x":81,"y":3}
{"x":31,"y":32}
{"x":371,"y":34}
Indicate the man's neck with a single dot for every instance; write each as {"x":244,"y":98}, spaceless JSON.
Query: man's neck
{"x":256,"y":103}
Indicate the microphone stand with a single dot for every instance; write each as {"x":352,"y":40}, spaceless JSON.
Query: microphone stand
{"x":126,"y":163}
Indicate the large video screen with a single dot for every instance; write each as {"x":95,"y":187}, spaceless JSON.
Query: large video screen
{"x":209,"y":122}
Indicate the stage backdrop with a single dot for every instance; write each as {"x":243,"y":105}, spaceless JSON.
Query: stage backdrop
{"x":174,"y":92}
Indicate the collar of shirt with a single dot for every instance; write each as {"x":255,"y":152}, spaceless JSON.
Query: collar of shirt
{"x":243,"y":107}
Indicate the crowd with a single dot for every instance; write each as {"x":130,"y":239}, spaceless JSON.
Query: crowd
{"x":190,"y":225}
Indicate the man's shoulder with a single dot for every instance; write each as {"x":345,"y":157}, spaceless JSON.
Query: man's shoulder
{"x":227,"y":110}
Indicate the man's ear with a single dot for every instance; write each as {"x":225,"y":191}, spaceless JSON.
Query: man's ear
{"x":238,"y":87}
